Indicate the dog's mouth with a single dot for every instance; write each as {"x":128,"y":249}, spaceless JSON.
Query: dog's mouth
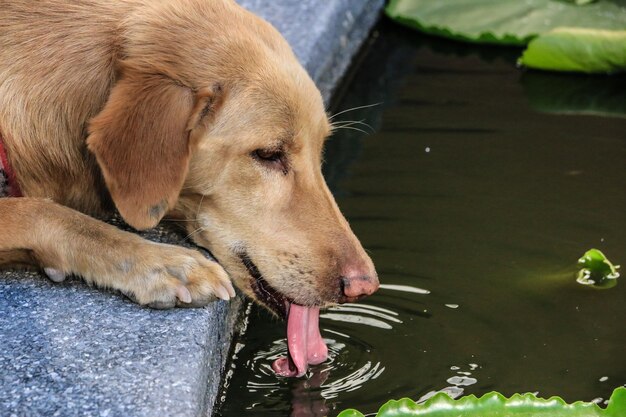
{"x":304,"y":341}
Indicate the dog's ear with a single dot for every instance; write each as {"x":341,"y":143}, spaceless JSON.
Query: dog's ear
{"x":141,"y":142}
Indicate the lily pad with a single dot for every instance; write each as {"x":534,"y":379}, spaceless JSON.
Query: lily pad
{"x":581,"y":2}
{"x":576,"y":49}
{"x":496,"y":405}
{"x":597,"y":270}
{"x":510,"y":22}
{"x":564,"y":35}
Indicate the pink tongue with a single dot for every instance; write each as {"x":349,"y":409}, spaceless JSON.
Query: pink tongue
{"x":305,"y":343}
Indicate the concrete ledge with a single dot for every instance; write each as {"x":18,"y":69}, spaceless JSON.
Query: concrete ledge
{"x":71,"y":350}
{"x":324,"y":35}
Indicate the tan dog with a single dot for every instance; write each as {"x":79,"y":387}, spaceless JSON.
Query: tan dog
{"x":192,"y":108}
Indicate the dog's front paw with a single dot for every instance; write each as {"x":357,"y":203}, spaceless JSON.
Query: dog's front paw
{"x":166,"y":276}
{"x":153,"y":274}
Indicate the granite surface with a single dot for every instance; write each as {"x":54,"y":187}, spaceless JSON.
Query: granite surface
{"x":71,"y":350}
{"x":324,"y":35}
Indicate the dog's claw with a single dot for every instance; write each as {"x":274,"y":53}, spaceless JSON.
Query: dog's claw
{"x":183,"y":294}
{"x":222,"y":293}
{"x":54,"y":274}
{"x":230,"y":289}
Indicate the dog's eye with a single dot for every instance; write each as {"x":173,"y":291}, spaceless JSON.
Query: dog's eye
{"x":273,"y":158}
{"x":269,"y":155}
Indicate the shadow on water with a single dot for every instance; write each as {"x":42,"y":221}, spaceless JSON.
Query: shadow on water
{"x":477,"y":192}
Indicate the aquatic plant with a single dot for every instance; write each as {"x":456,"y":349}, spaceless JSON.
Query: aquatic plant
{"x":575,"y":35}
{"x":577,"y":49}
{"x":496,"y":405}
{"x":597,"y":270}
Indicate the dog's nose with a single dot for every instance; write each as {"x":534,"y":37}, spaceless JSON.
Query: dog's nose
{"x":357,"y":283}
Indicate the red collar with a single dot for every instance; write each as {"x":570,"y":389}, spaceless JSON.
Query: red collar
{"x":8,"y":183}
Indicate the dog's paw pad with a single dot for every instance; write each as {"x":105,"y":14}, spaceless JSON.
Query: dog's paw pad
{"x":55,"y":275}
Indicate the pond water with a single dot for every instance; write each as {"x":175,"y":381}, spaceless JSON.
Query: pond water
{"x":476,"y":193}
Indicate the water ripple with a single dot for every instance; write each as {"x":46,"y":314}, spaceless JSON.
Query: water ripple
{"x":404,"y":288}
{"x":352,"y":363}
{"x":359,"y":313}
{"x":457,"y":382}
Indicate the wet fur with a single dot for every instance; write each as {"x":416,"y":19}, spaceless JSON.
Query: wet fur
{"x":156,"y":108}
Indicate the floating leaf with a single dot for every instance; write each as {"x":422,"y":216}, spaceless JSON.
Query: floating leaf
{"x":597,"y":270}
{"x":581,"y":2}
{"x":511,"y":22}
{"x":496,"y":405}
{"x":564,"y":35}
{"x":575,"y":49}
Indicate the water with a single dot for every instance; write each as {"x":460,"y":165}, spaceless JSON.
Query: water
{"x":475,"y":200}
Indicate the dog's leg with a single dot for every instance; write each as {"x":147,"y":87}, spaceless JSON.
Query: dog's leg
{"x":63,"y":241}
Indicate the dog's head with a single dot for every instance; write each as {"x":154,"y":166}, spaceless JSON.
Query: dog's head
{"x":213,"y":119}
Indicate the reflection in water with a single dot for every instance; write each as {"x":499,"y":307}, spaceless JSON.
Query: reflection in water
{"x":306,"y":398}
{"x":575,"y":94}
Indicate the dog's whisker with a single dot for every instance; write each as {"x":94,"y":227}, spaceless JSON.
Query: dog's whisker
{"x":352,"y":109}
{"x":199,"y":229}
{"x":181,"y":220}
{"x":344,"y":123}
{"x":199,"y":205}
{"x":338,"y":122}
{"x":353,"y":128}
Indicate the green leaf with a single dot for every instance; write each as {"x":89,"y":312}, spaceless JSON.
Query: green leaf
{"x":597,"y":270}
{"x":575,"y":49}
{"x":496,"y":405}
{"x":511,"y":22}
{"x":565,"y":35}
{"x":350,"y":413}
{"x":581,"y":2}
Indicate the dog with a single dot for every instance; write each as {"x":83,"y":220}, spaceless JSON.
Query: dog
{"x":197,"y":110}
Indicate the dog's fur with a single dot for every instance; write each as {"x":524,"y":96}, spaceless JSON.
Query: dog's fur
{"x":194,"y":109}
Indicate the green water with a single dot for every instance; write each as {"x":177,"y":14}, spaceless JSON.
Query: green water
{"x":475,"y":204}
